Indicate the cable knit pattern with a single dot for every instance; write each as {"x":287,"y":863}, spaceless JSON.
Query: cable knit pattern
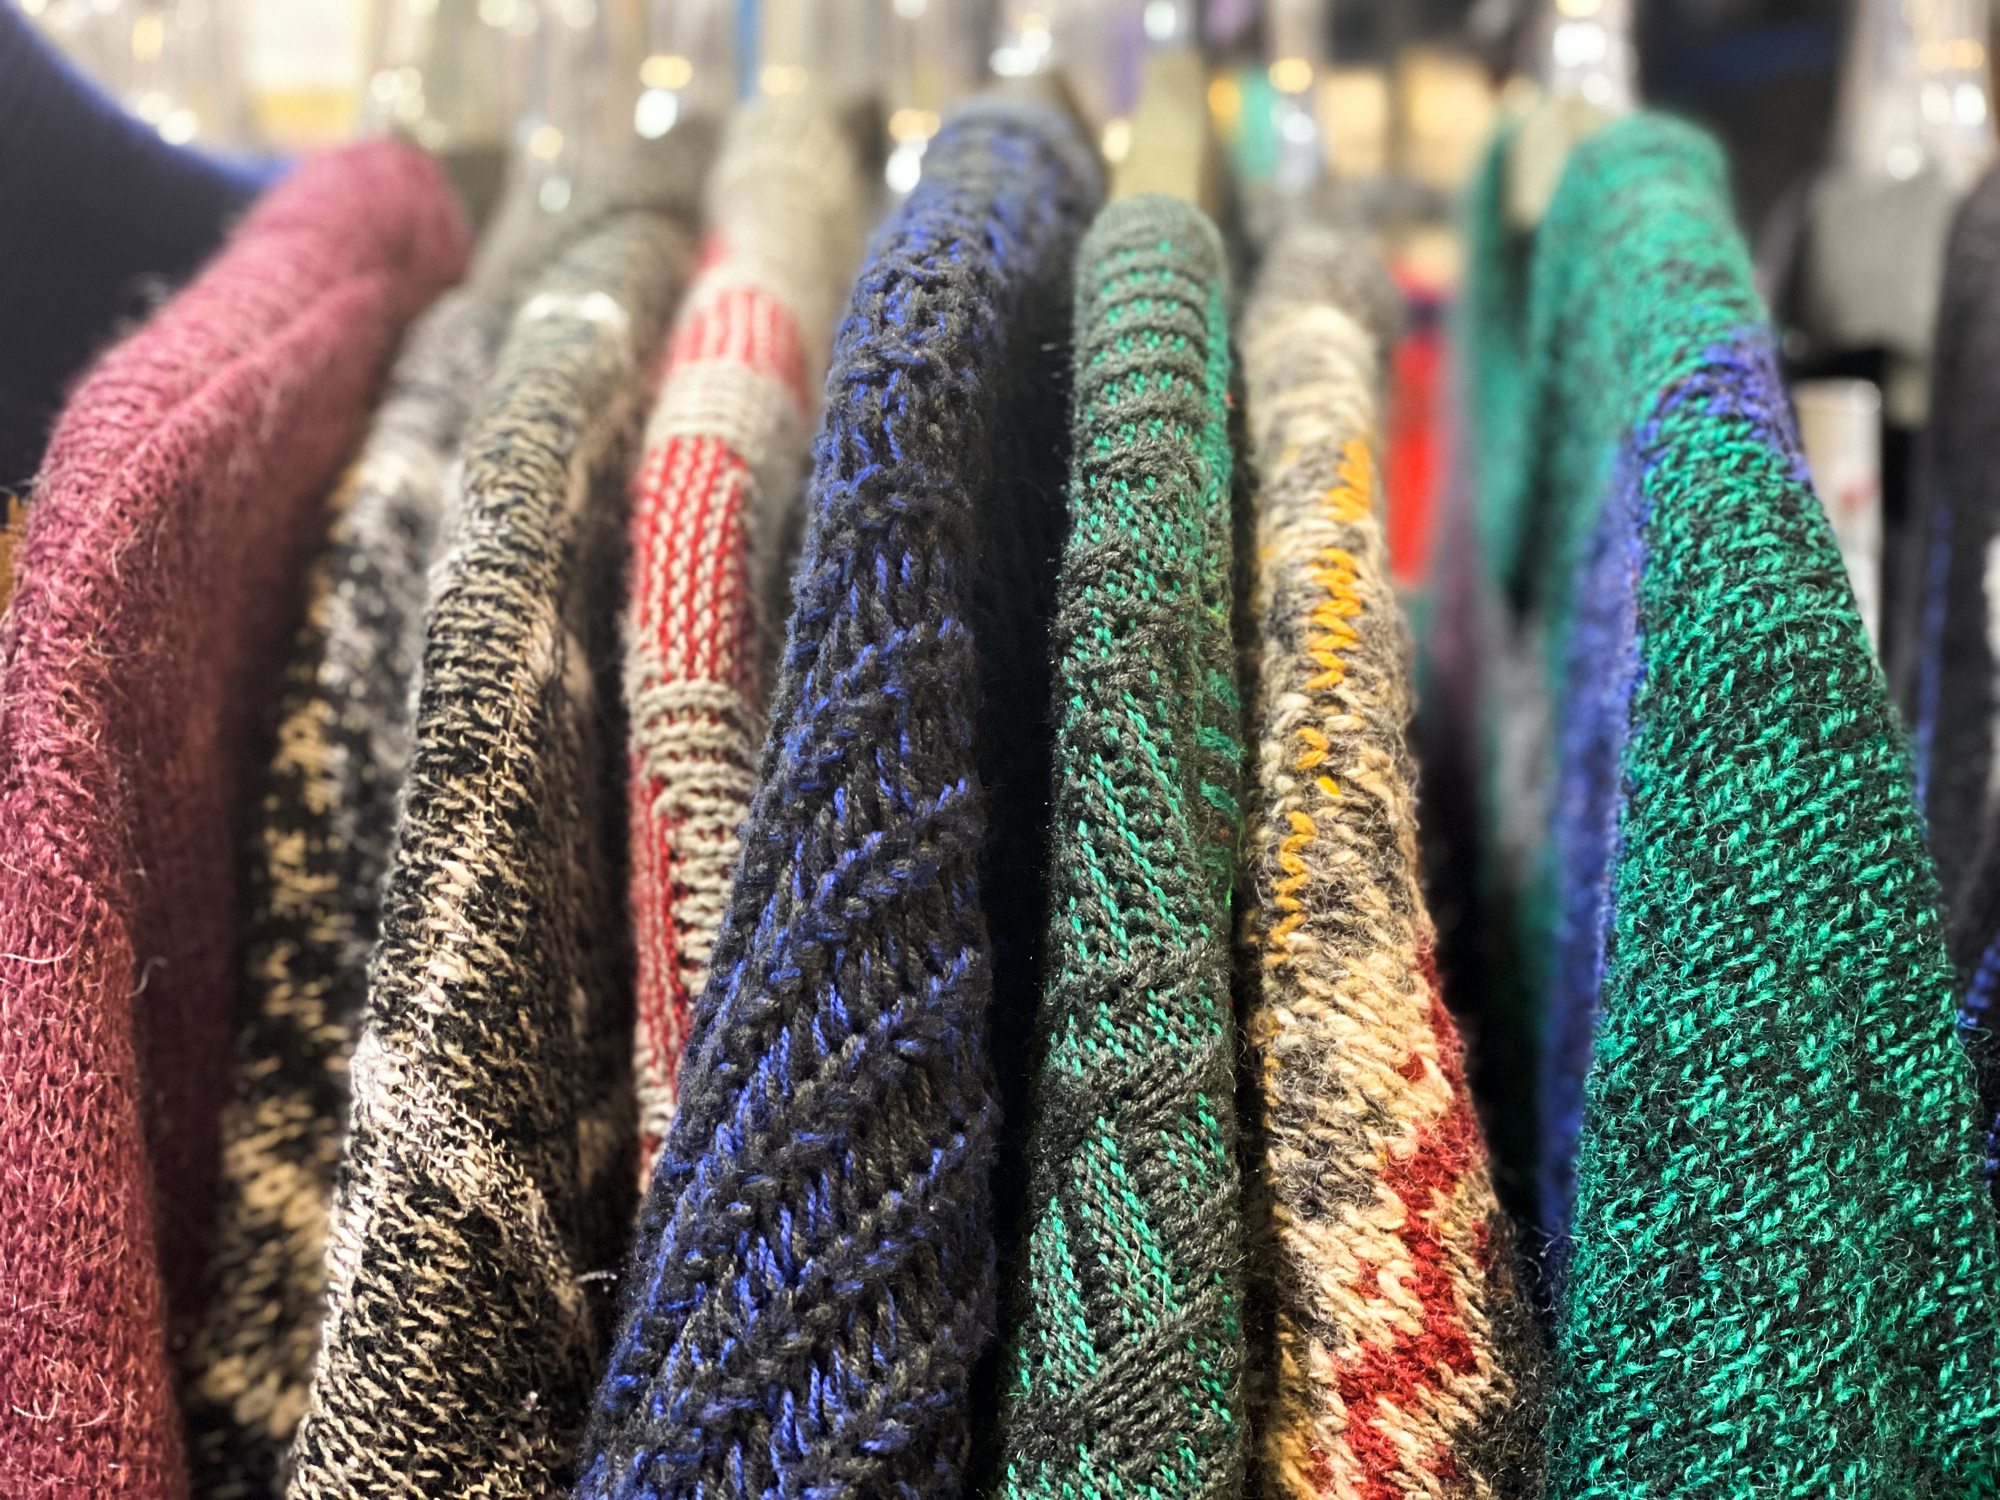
{"x":1785,"y":1275}
{"x":489,"y":1161}
{"x":715,"y":504}
{"x":314,"y":869}
{"x":1126,"y":1343}
{"x":1405,"y":1361}
{"x":182,"y":492}
{"x":814,"y":1274}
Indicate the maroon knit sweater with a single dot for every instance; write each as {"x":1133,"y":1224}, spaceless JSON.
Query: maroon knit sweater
{"x":181,"y":487}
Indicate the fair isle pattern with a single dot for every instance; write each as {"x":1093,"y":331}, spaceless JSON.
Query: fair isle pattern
{"x":1404,"y":1357}
{"x":715,"y":498}
{"x":1124,"y":1371}
{"x":487,"y":1180}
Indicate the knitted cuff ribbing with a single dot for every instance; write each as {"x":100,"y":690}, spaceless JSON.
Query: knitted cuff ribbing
{"x":1126,"y":1340}
{"x":1359,"y":1081}
{"x":489,"y":1159}
{"x":715,"y":499}
{"x":813,"y":1278}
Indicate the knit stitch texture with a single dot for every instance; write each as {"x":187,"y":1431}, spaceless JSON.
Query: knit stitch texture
{"x":314,"y":868}
{"x":490,"y":1153}
{"x":1784,"y":1267}
{"x":1404,"y":1356}
{"x":814,"y":1274}
{"x":1126,"y":1342}
{"x":715,"y":513}
{"x":182,"y":492}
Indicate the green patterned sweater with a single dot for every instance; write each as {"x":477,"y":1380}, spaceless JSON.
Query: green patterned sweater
{"x":1781,"y":1277}
{"x":1125,"y":1338}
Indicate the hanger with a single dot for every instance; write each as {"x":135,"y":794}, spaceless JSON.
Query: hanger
{"x":1584,"y":67}
{"x":931,"y":61}
{"x":690,"y":64}
{"x":1172,"y":148}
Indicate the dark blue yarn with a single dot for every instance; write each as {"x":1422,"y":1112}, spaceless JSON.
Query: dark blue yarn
{"x":1951,"y":684}
{"x":1738,"y":378}
{"x":102,"y":217}
{"x":1603,"y":674}
{"x":814,"y":1273}
{"x":1930,"y":641}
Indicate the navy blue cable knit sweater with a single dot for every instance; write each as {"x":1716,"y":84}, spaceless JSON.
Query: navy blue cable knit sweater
{"x":97,"y":207}
{"x":814,"y":1275}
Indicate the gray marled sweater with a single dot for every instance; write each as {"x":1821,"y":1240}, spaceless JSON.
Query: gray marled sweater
{"x":489,"y":1163}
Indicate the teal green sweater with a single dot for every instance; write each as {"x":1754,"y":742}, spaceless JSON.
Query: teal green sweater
{"x":1783,"y":1276}
{"x":1125,"y":1342}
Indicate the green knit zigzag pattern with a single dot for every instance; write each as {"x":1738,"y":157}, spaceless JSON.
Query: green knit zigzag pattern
{"x":1124,"y":1365}
{"x":1786,"y":1277}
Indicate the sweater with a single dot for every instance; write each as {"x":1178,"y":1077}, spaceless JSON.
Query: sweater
{"x":813,"y":1278}
{"x":105,"y":217}
{"x":1402,"y":1355}
{"x":1125,"y":1342}
{"x":313,"y":869}
{"x":1953,"y":693}
{"x":1782,"y":1270}
{"x":485,"y":1185}
{"x":181,"y":494}
{"x":715,"y":515}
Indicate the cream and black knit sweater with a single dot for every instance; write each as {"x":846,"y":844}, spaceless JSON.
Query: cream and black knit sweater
{"x":314,"y":868}
{"x":489,"y":1164}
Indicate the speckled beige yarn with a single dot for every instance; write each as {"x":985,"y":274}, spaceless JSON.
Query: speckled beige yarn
{"x":1403,"y":1352}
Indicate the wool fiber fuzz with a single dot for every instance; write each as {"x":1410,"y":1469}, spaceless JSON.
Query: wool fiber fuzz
{"x":181,"y":498}
{"x":314,"y":867}
{"x":813,"y":1280}
{"x":1404,"y":1358}
{"x":1124,"y":1366}
{"x":1783,"y":1277}
{"x":491,"y":1136}
{"x":715,"y":513}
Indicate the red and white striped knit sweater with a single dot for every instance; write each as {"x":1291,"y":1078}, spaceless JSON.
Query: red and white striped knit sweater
{"x":715,"y":509}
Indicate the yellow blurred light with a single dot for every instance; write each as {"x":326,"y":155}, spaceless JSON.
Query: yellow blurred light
{"x":663,"y":70}
{"x":149,"y":36}
{"x":913,"y":125}
{"x":1291,"y":75}
{"x":1225,"y":99}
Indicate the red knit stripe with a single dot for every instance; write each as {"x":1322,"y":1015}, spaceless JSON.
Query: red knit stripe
{"x":746,"y":326}
{"x":690,"y":613}
{"x":1397,"y":1377}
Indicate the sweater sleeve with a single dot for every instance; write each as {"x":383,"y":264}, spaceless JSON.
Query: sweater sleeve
{"x":1125,"y":1338}
{"x":1357,"y":1076}
{"x":812,"y":1282}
